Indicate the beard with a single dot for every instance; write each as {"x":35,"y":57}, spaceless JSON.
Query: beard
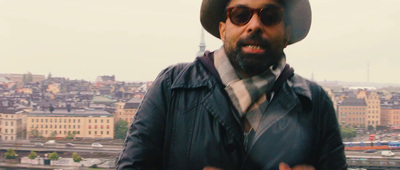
{"x":254,"y":64}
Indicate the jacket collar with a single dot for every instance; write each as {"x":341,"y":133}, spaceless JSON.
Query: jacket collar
{"x":196,"y":75}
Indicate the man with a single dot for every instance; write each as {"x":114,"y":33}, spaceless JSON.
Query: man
{"x":239,"y":107}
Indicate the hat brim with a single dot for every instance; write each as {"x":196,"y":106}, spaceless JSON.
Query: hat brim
{"x":298,"y":11}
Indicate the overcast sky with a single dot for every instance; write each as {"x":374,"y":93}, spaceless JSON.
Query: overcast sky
{"x":135,"y":39}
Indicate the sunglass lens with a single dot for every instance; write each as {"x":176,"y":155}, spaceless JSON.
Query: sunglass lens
{"x":271,"y":16}
{"x":240,"y":16}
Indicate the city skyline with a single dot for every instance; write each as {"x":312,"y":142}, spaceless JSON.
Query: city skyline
{"x":134,"y":43}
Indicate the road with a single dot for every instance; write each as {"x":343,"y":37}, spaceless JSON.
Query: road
{"x":62,"y":147}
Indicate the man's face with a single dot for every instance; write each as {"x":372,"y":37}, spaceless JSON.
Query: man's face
{"x":253,"y":47}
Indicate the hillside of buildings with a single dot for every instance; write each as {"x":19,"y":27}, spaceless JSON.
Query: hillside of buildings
{"x":36,"y":106}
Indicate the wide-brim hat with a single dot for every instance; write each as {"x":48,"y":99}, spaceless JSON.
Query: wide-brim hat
{"x":298,"y":11}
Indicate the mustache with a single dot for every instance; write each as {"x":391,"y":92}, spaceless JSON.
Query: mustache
{"x":254,"y":39}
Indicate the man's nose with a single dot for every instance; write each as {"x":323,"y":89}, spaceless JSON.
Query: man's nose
{"x":254,"y":24}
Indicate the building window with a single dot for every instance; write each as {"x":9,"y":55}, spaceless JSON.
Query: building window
{"x":73,"y":127}
{"x":79,"y":121}
{"x":65,"y":126}
{"x":95,"y":120}
{"x":33,"y":120}
{"x":108,"y":121}
{"x":101,"y":121}
{"x":65,"y":120}
{"x":51,"y":120}
{"x":101,"y":132}
{"x":74,"y":120}
{"x":89,"y":121}
{"x":89,"y":132}
{"x":51,"y":126}
{"x":79,"y":126}
{"x":95,"y":132}
{"x":108,"y":132}
{"x":46,"y":120}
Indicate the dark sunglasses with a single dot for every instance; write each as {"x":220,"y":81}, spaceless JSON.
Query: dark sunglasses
{"x":241,"y":15}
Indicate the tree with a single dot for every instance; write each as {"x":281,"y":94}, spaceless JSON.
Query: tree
{"x":71,"y":135}
{"x":76,"y":157}
{"x":348,"y":133}
{"x":120,"y":129}
{"x":54,"y":156}
{"x":32,"y":155}
{"x":370,"y":127}
{"x":10,"y":154}
{"x":51,"y":108}
{"x":35,"y":133}
{"x":53,"y":135}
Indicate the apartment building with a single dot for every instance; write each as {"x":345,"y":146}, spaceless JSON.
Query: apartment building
{"x":372,"y":99}
{"x":85,"y":124}
{"x":390,"y":115}
{"x":12,"y":124}
{"x":352,"y":111}
{"x":127,"y":111}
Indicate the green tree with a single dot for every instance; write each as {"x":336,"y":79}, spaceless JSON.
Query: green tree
{"x":54,"y":156}
{"x":32,"y":155}
{"x":348,"y":132}
{"x":370,"y":127}
{"x":10,"y":154}
{"x":53,"y":135}
{"x":120,"y":129}
{"x":35,"y":133}
{"x":76,"y":157}
{"x":71,"y":135}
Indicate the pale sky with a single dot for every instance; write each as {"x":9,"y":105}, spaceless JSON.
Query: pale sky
{"x":135,"y":39}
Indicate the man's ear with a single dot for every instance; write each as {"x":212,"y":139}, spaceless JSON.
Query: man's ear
{"x":222,"y":31}
{"x":288,"y":33}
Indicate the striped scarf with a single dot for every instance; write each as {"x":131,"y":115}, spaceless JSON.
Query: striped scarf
{"x":249,"y":93}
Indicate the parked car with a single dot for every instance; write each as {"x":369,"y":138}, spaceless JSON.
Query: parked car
{"x":370,"y":151}
{"x":38,"y":144}
{"x":51,"y":142}
{"x":97,"y":145}
{"x":69,"y":144}
{"x":387,"y":153}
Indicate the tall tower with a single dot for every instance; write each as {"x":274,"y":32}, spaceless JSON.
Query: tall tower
{"x":312,"y":76}
{"x":368,"y":72}
{"x":202,"y":46}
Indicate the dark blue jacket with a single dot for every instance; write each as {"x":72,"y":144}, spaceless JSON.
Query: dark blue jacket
{"x":186,"y":121}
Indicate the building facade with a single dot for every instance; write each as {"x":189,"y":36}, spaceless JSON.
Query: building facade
{"x":127,"y":111}
{"x":84,"y":124}
{"x":352,"y":111}
{"x":12,"y":126}
{"x":372,"y":99}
